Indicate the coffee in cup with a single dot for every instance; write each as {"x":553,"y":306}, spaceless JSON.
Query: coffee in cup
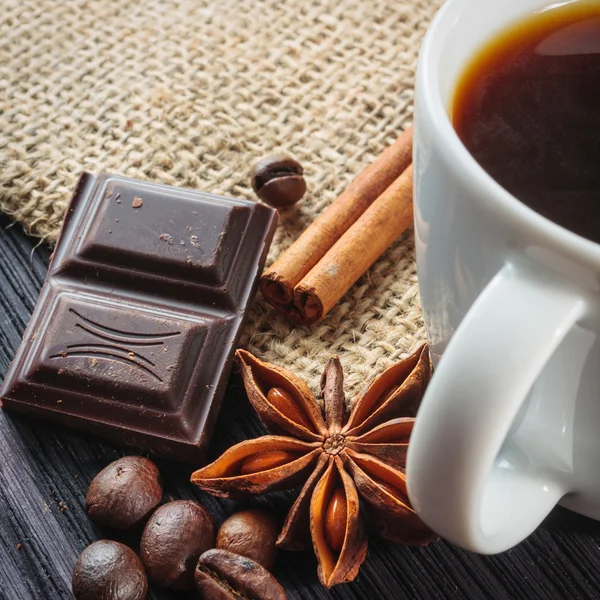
{"x":527,"y":107}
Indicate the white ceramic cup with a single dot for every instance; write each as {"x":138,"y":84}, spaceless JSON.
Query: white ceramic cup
{"x":510,"y":424}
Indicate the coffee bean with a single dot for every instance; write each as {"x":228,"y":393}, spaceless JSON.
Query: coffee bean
{"x":278,"y":180}
{"x":107,"y":570}
{"x":251,"y":533}
{"x":222,"y":575}
{"x":124,"y":494}
{"x":173,"y":539}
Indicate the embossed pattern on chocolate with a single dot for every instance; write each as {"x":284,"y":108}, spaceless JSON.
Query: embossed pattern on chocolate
{"x":133,"y":333}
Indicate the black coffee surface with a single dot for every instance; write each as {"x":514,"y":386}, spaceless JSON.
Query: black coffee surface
{"x":528,"y":110}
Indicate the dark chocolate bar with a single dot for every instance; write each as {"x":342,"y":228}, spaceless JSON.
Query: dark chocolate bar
{"x":133,"y":334}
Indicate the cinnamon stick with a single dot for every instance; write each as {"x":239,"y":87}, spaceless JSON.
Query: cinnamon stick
{"x":278,"y":282}
{"x":356,"y":250}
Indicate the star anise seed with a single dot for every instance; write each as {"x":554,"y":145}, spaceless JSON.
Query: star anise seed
{"x":341,"y":458}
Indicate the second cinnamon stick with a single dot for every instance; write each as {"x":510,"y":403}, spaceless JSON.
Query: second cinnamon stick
{"x":356,"y":250}
{"x":278,"y":282}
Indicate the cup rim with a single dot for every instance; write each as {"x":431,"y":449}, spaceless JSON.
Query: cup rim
{"x":460,"y":160}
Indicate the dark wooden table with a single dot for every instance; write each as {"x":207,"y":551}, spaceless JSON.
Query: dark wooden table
{"x":45,"y":472}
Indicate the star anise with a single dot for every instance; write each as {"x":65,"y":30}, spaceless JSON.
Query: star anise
{"x":342,"y":458}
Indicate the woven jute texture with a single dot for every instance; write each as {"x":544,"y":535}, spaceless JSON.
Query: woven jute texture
{"x":191,"y":93}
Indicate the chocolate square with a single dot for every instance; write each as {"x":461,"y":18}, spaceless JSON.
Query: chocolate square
{"x":198,"y":237}
{"x":133,"y":334}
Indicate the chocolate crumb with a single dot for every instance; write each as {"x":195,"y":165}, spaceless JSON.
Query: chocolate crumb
{"x":137,"y":202}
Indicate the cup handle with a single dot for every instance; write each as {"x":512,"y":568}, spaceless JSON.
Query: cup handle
{"x":483,"y":378}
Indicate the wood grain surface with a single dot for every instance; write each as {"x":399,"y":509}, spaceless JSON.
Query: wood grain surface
{"x":45,"y":472}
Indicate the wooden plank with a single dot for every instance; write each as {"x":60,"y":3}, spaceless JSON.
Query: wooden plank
{"x":45,"y":472}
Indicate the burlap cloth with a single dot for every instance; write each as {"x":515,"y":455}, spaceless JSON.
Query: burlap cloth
{"x":191,"y":93}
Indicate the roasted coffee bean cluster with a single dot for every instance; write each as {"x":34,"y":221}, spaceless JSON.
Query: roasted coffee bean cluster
{"x":177,"y":547}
